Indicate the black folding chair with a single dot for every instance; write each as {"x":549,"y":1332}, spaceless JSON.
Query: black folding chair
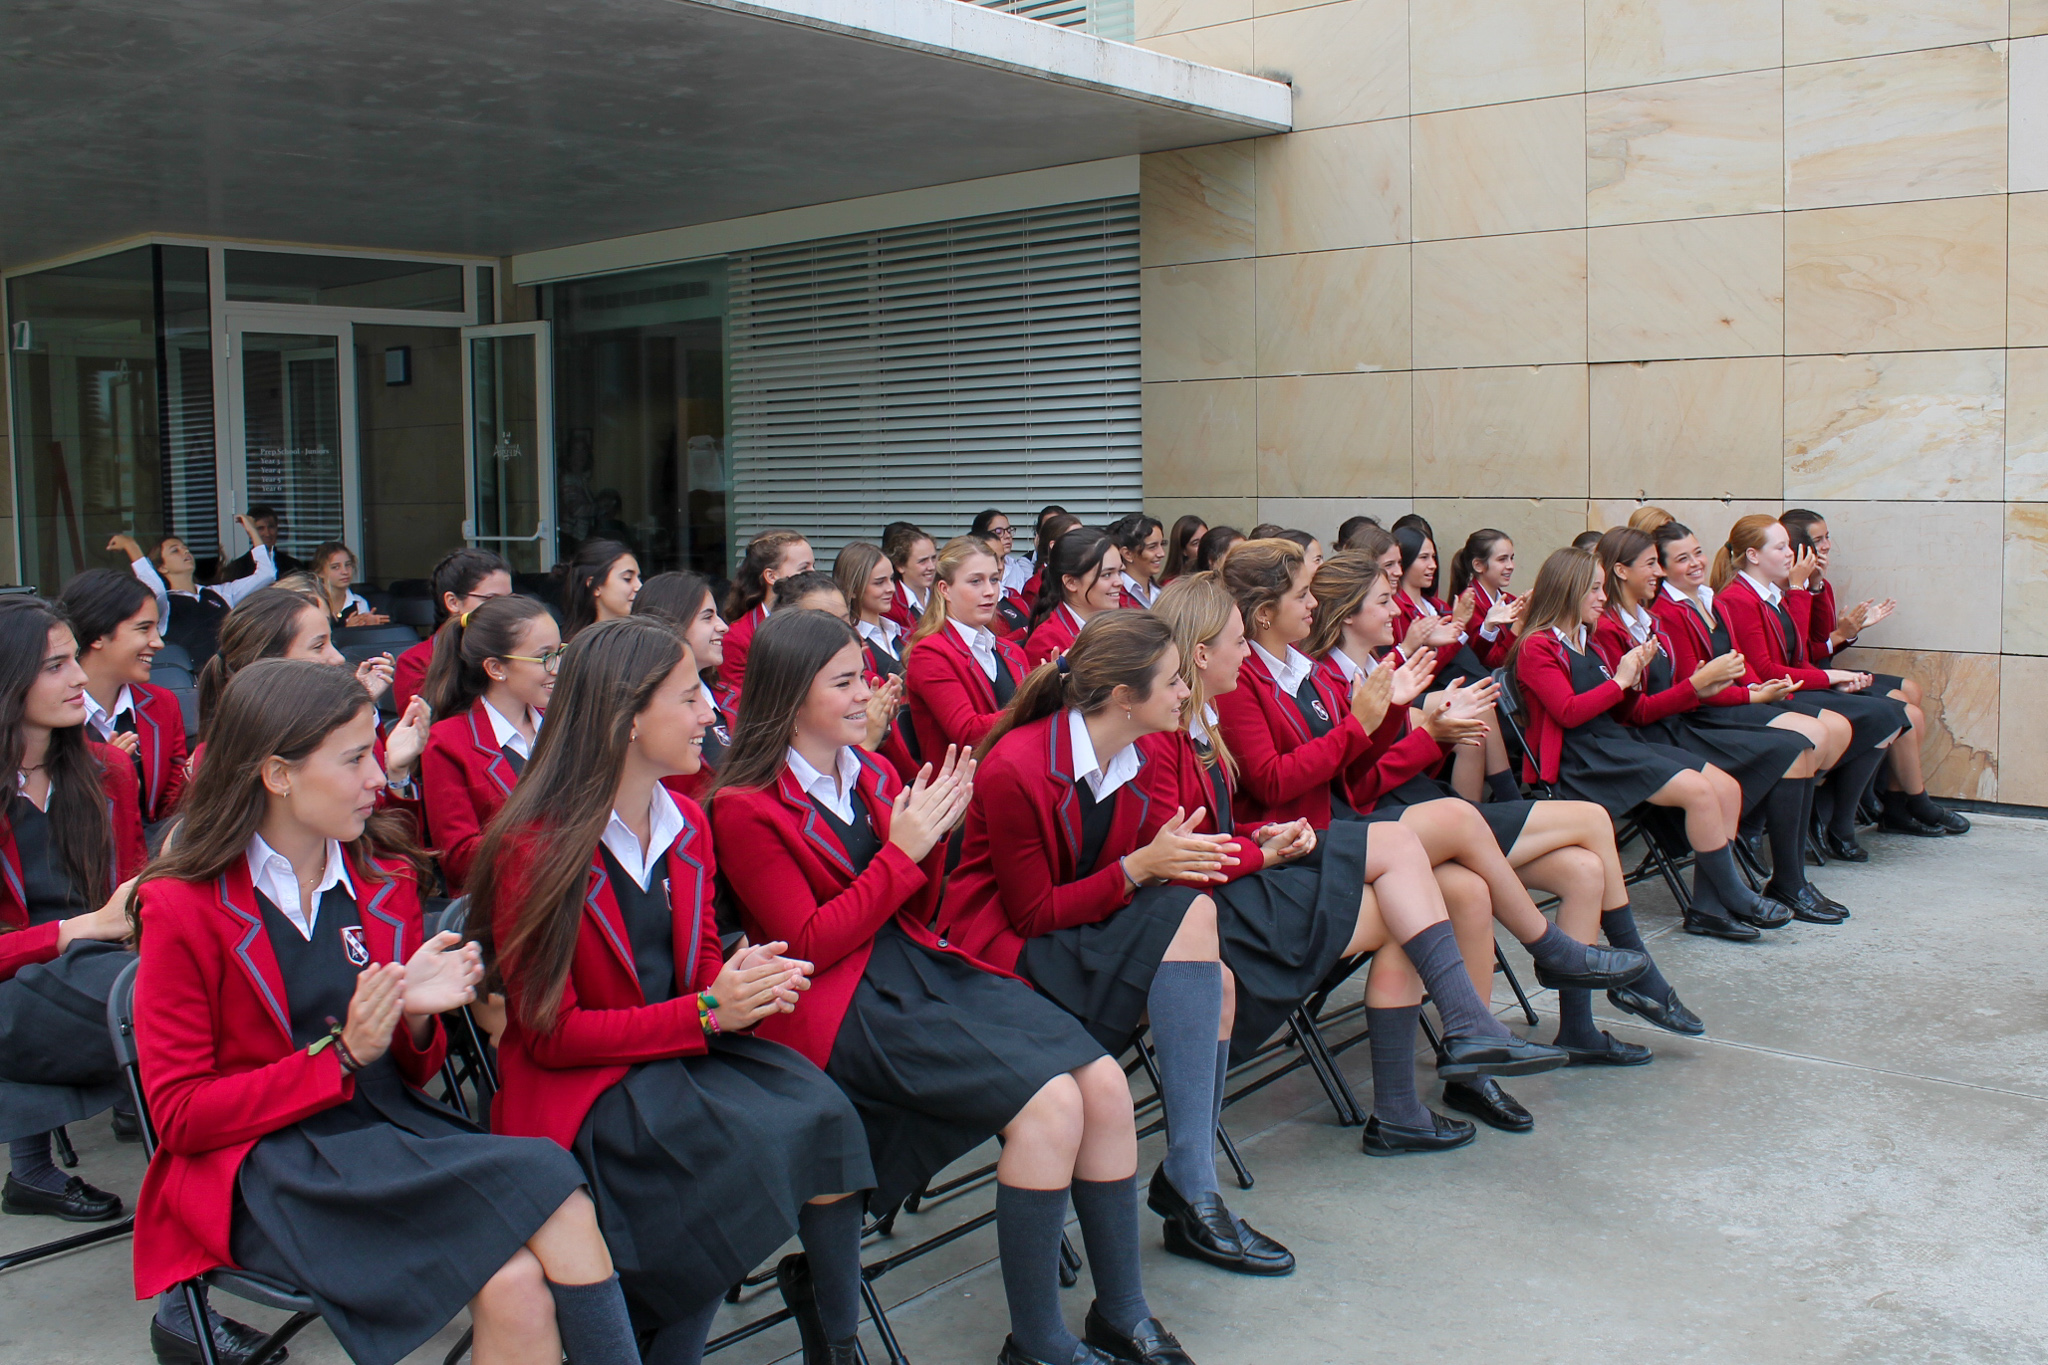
{"x":26,"y":1110}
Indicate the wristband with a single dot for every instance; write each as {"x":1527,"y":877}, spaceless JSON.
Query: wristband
{"x":707,"y":1019}
{"x":349,"y":1064}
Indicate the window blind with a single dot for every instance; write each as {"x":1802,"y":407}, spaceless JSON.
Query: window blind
{"x":925,"y":373}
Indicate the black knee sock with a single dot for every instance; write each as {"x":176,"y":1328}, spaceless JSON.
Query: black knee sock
{"x":681,"y":1342}
{"x":593,"y":1322}
{"x":1785,"y":818}
{"x":1028,"y":1227}
{"x":831,"y":1238}
{"x":1391,"y":1033}
{"x":1436,"y":959}
{"x":1716,"y":868}
{"x":1847,"y":782}
{"x":1619,"y":925}
{"x":1575,"y":1026}
{"x":1185,"y":1006}
{"x":1502,"y":785}
{"x":1108,"y":1211}
{"x":29,"y":1159}
{"x":1922,"y":805}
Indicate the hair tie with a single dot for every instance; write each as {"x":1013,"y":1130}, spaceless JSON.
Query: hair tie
{"x":463,"y":620}
{"x":1062,"y":665}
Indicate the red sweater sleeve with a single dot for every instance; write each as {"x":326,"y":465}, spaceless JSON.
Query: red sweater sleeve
{"x":1611,"y":640}
{"x":27,"y":947}
{"x":1544,"y":681}
{"x":1023,"y":860}
{"x":1399,"y":751}
{"x":1174,"y":779}
{"x":944,"y":695}
{"x":1273,"y":776}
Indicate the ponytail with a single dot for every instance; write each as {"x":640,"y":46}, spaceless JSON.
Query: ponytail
{"x":1747,"y":534}
{"x":456,"y":676}
{"x":1115,"y":649}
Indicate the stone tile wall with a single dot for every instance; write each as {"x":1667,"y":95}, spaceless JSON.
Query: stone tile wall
{"x":1528,"y":263}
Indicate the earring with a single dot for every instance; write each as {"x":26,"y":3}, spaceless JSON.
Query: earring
{"x":1127,"y":713}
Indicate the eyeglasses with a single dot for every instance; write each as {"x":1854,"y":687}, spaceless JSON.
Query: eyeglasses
{"x":550,"y":659}
{"x":1002,"y":532}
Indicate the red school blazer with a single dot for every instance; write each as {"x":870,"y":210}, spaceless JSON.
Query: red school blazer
{"x":409,"y":674}
{"x":22,"y":946}
{"x":1019,"y":875}
{"x":604,"y":1024}
{"x":213,"y":1029}
{"x":1493,"y":653}
{"x":1285,"y":774}
{"x":732,"y":672}
{"x":1820,"y":623}
{"x":1690,"y":644}
{"x":1755,"y":630}
{"x":1175,"y":779}
{"x":160,"y":743}
{"x":951,"y":700}
{"x":1399,"y":751}
{"x":1551,"y":706}
{"x":795,"y":885}
{"x":1054,"y":635}
{"x":902,"y":613}
{"x":464,"y":780}
{"x":1611,"y":639}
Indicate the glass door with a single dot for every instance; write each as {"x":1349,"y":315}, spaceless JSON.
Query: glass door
{"x":508,"y":411}
{"x":292,"y":429}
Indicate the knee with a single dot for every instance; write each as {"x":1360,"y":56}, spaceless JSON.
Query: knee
{"x":1397,"y":847}
{"x":1052,"y":1120}
{"x":1103,"y":1093}
{"x":1583,"y":866}
{"x":1195,"y":940}
{"x":516,"y":1299}
{"x":1915,"y":715}
{"x":1909,"y":691}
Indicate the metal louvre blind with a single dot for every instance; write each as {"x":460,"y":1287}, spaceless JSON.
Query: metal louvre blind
{"x":923,"y":374}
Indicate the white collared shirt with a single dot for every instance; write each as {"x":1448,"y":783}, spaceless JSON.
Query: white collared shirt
{"x":102,"y":720}
{"x":507,"y":734}
{"x":1200,"y":724}
{"x":834,"y":790}
{"x":1145,"y":595}
{"x":271,"y":872}
{"x":910,"y":596}
{"x":1640,"y":625}
{"x":1770,"y":592}
{"x":1353,"y":669}
{"x":1290,"y":672}
{"x":883,"y":632}
{"x":665,"y":826}
{"x":1102,"y":778}
{"x":1704,"y":597}
{"x":1017,"y":571}
{"x":1576,"y":640}
{"x":981,"y":643}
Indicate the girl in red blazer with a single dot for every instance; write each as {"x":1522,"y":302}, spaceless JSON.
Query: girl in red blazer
{"x":1141,"y":542}
{"x":285,"y":1016}
{"x":1447,"y":628}
{"x":868,"y":580}
{"x":1051,"y":526}
{"x":685,"y":601}
{"x":960,"y":675}
{"x":705,"y":1148}
{"x":1083,"y":579}
{"x":1758,"y":582}
{"x":770,"y":555}
{"x":1773,"y":764}
{"x":115,"y":618}
{"x":462,"y":581}
{"x":1479,"y":594}
{"x":1573,"y":702}
{"x":938,"y":1050}
{"x":915,"y":557}
{"x":494,"y":669}
{"x":70,"y":835}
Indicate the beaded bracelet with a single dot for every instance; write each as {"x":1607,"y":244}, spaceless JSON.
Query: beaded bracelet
{"x":707,"y":1020}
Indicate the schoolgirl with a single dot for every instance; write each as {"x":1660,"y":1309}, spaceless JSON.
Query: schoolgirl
{"x":811,"y":590}
{"x":1083,"y":579}
{"x":1906,"y":807}
{"x":1348,"y":529}
{"x":599,"y":584}
{"x":686,"y":603}
{"x":333,"y":567}
{"x":1756,"y":580}
{"x":1772,"y":762}
{"x":1292,"y":905}
{"x":1050,"y":529}
{"x":992,"y":523}
{"x":959,"y":674}
{"x":705,"y":1148}
{"x":1648,"y":519}
{"x":462,"y":581}
{"x":115,"y":619}
{"x":494,"y":668}
{"x":1141,"y":543}
{"x":770,"y":555}
{"x":1577,"y":741}
{"x":1427,"y":621}
{"x":915,"y":556}
{"x":1183,"y":543}
{"x":868,"y":580}
{"x":299,"y":1147}
{"x":1215,"y":543}
{"x":937,"y":1050}
{"x":1562,"y":847}
{"x":1480,"y":576}
{"x":189,"y":615}
{"x":1013,"y":609}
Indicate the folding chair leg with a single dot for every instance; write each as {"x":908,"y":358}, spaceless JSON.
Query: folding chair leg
{"x":105,"y":1233}
{"x":882,"y":1328}
{"x":1244,"y":1175}
{"x":1436,"y":1044}
{"x":461,"y":1347}
{"x":275,"y":1342}
{"x":1070,"y":1264}
{"x":67,"y":1155}
{"x":1515,"y":985}
{"x":202,"y":1326}
{"x":1350,"y":1114}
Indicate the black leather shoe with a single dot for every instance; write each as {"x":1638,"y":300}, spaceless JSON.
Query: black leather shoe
{"x":1669,"y":1014}
{"x":1899,"y":820}
{"x":1202,"y":1229}
{"x":1392,"y":1139}
{"x":1616,"y":1053}
{"x":1761,"y":912}
{"x":233,"y":1343}
{"x":127,"y":1127}
{"x":1605,"y":969}
{"x":1510,"y":1056}
{"x":1149,"y":1343}
{"x":1084,"y":1354}
{"x":77,"y":1202}
{"x":1490,"y":1104}
{"x":1810,"y":907}
{"x":1719,"y":926}
{"x":1951,"y":821}
{"x":1841,"y":850}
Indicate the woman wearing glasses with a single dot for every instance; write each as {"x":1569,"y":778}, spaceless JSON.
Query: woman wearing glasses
{"x":493,"y":671}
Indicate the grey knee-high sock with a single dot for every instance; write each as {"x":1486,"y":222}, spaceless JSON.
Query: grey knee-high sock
{"x":681,"y":1342}
{"x":1185,"y":1006}
{"x":1391,"y":1033}
{"x":29,"y":1159}
{"x":1028,"y":1227}
{"x":831,"y":1238}
{"x":1848,"y":781}
{"x":1501,"y":786}
{"x":1785,"y":820}
{"x":1619,"y":924}
{"x":1575,"y":1026}
{"x":1108,"y":1210}
{"x":593,"y":1322}
{"x":1436,"y":959}
{"x":1717,"y":867}
{"x":1558,"y":951}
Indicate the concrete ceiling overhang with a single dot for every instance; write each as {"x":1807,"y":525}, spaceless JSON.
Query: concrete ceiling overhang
{"x":516,"y":125}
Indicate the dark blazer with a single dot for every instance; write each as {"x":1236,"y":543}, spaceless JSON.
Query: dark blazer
{"x":213,"y":1028}
{"x":23,"y":946}
{"x":951,"y":700}
{"x":464,"y":780}
{"x":1551,"y":706}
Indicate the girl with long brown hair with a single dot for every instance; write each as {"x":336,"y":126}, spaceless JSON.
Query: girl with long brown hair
{"x":286,"y":1018}
{"x":685,"y":601}
{"x":868,"y":579}
{"x":915,"y":557}
{"x":1182,"y":544}
{"x":1083,"y":579}
{"x":705,"y":1147}
{"x":599,"y":584}
{"x":1479,"y":594}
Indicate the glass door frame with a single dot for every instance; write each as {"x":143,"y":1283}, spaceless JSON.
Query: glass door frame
{"x":233,"y":323}
{"x":543,"y":440}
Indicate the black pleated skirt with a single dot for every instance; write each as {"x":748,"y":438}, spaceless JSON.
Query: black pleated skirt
{"x":938,"y":1056}
{"x":391,"y":1211}
{"x":1101,"y":973}
{"x":1755,"y":756}
{"x":700,"y":1165}
{"x":1872,"y":718}
{"x":1603,"y":762}
{"x":1504,"y":818}
{"x":1284,"y":928}
{"x":53,"y":1018}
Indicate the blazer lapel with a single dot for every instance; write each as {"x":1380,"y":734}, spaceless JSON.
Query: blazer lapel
{"x":1060,"y":763}
{"x":236,"y":897}
{"x":603,"y":906}
{"x":1256,"y":670}
{"x":816,"y":832}
{"x":10,"y":869}
{"x":685,"y":882}
{"x":483,"y":738}
{"x":150,"y":734}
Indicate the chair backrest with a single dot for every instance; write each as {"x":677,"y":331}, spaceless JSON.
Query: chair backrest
{"x":417,"y":612}
{"x":180,"y":683}
{"x":121,"y":1029}
{"x":452,"y":919}
{"x":171,"y":656}
{"x":371,"y":640}
{"x":1508,"y":707}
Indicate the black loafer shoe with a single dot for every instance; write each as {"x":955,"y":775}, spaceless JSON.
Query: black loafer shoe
{"x":1842,"y":850}
{"x":1616,"y":1053}
{"x":1951,"y":821}
{"x":1669,"y":1014}
{"x":1829,"y":901}
{"x":1606,"y":968}
{"x":1762,"y":913}
{"x":233,"y":1343}
{"x":1490,"y":1104}
{"x":1084,"y":1354}
{"x":1202,"y":1229}
{"x":77,"y":1202}
{"x":1510,"y":1056}
{"x":1809,"y":907}
{"x":1149,"y":1343}
{"x":127,"y":1127}
{"x":1719,"y":926}
{"x":1897,"y":820}
{"x":1392,"y":1139}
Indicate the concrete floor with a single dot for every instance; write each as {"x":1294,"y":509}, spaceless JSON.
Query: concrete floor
{"x":1848,"y":1168}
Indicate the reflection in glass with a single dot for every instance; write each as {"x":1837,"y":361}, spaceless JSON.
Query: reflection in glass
{"x":343,"y":281}
{"x":291,"y":433}
{"x":503,"y":383}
